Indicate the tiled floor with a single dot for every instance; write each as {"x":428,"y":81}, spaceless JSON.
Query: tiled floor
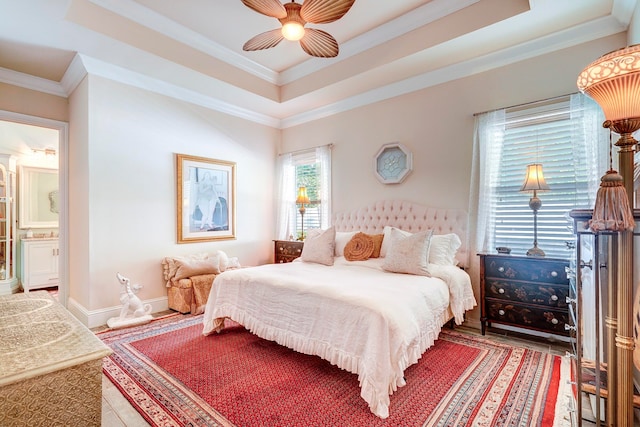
{"x":117,"y":412}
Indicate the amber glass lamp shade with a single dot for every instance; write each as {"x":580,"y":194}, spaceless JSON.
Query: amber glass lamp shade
{"x":613,"y":81}
{"x":303,"y":198}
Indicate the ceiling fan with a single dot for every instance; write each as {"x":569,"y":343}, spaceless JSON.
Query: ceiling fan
{"x":293,"y":16}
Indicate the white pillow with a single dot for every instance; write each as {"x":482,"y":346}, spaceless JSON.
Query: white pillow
{"x":408,"y":254}
{"x":386,"y":240}
{"x":320,"y":247}
{"x":443,"y":249}
{"x":342,"y":238}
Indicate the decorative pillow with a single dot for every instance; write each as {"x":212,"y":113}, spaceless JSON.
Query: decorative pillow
{"x":342,"y":238}
{"x":223,"y":260}
{"x":359,"y":248}
{"x":377,"y":244}
{"x":313,"y":232}
{"x":443,"y":249}
{"x":386,"y":241}
{"x":196,"y":267}
{"x":320,"y":248}
{"x":408,"y":254}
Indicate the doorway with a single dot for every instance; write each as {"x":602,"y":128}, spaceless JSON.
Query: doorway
{"x":24,"y":135}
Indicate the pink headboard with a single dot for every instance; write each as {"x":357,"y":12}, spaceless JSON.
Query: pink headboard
{"x":407,"y":216}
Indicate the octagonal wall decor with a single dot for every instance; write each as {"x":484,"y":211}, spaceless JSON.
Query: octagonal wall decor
{"x":393,"y":163}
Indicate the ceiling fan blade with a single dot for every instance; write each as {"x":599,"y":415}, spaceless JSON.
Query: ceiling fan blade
{"x":324,"y":11}
{"x":264,"y":40}
{"x":319,"y":43}
{"x":272,"y":8}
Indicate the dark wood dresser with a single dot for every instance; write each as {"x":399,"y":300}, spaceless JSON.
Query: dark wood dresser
{"x":524,"y":292}
{"x":286,"y":250}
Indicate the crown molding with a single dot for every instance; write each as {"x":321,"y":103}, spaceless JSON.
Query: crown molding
{"x":28,"y":81}
{"x":589,"y":31}
{"x":419,"y":17}
{"x":622,"y":10}
{"x":162,"y":87}
{"x":83,"y":65}
{"x":157,"y":22}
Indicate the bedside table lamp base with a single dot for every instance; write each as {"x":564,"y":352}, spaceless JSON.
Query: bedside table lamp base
{"x":534,"y":181}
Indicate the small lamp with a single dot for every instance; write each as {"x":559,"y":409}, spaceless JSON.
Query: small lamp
{"x":302,"y":199}
{"x":534,"y":181}
{"x":613,"y":81}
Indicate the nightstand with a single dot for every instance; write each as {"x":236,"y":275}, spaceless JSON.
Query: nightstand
{"x":525,"y":292}
{"x":286,"y":250}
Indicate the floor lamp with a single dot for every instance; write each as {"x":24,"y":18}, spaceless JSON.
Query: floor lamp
{"x":534,"y":181}
{"x":302,"y":199}
{"x":613,"y":81}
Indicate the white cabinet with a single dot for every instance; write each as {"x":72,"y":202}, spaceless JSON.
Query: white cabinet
{"x":39,"y":263}
{"x":8,"y":280}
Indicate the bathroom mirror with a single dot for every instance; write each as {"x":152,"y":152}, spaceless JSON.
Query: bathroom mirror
{"x":37,"y":197}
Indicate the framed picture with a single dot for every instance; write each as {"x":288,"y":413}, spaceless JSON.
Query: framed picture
{"x":206,"y":199}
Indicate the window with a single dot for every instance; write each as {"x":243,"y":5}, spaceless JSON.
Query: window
{"x":312,"y":169}
{"x":566,"y":136}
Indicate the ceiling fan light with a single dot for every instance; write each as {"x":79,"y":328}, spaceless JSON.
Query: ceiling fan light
{"x":292,"y":31}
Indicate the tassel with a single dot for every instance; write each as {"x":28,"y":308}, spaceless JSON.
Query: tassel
{"x":612,"y":211}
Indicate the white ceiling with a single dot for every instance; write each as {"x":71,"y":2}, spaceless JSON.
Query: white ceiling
{"x":192,"y":49}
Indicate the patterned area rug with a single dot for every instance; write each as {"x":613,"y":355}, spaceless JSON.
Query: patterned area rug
{"x":174,"y":376}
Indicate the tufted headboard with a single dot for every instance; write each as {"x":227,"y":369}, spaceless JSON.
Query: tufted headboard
{"x":407,"y":216}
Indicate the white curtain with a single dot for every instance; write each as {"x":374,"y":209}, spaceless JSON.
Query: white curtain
{"x":323,"y":156}
{"x":487,"y":146}
{"x":285,"y":215}
{"x":591,"y":139}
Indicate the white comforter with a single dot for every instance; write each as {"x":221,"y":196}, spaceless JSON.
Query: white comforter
{"x":354,"y":314}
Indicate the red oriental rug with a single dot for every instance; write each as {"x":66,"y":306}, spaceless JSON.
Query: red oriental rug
{"x":175,"y":376}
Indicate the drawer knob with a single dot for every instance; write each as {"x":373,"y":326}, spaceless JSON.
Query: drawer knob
{"x":554,"y":321}
{"x":501,"y":291}
{"x":501,"y":312}
{"x":554,"y":274}
{"x":554,"y":297}
{"x":501,"y":269}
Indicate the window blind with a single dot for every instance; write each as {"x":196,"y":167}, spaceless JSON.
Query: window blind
{"x":542,"y":133}
{"x":308,"y":174}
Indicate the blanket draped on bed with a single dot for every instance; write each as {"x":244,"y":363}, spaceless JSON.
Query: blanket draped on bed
{"x":353,"y":314}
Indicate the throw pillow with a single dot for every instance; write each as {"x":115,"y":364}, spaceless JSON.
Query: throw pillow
{"x":408,"y":254}
{"x":195,"y":267}
{"x":443,"y":249}
{"x":342,"y":238}
{"x":377,"y":244}
{"x":359,"y":248}
{"x":386,"y":241}
{"x":320,"y":248}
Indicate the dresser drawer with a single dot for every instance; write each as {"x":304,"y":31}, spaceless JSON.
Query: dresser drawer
{"x":287,"y":251}
{"x":531,"y":270}
{"x":527,"y":316}
{"x":543,"y":294}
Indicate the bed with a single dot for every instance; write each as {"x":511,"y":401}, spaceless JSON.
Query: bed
{"x":361,"y":316}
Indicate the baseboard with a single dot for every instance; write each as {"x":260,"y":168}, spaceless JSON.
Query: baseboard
{"x":95,"y":318}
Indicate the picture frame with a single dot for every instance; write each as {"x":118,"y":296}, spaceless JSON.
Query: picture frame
{"x":206,"y":199}
{"x":37,"y":197}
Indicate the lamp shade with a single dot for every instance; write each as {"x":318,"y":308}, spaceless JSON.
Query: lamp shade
{"x":613,"y":81}
{"x":534,"y":180}
{"x":302,"y":198}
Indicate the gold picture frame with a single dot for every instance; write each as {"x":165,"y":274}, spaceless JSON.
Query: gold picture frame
{"x":206,"y":202}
